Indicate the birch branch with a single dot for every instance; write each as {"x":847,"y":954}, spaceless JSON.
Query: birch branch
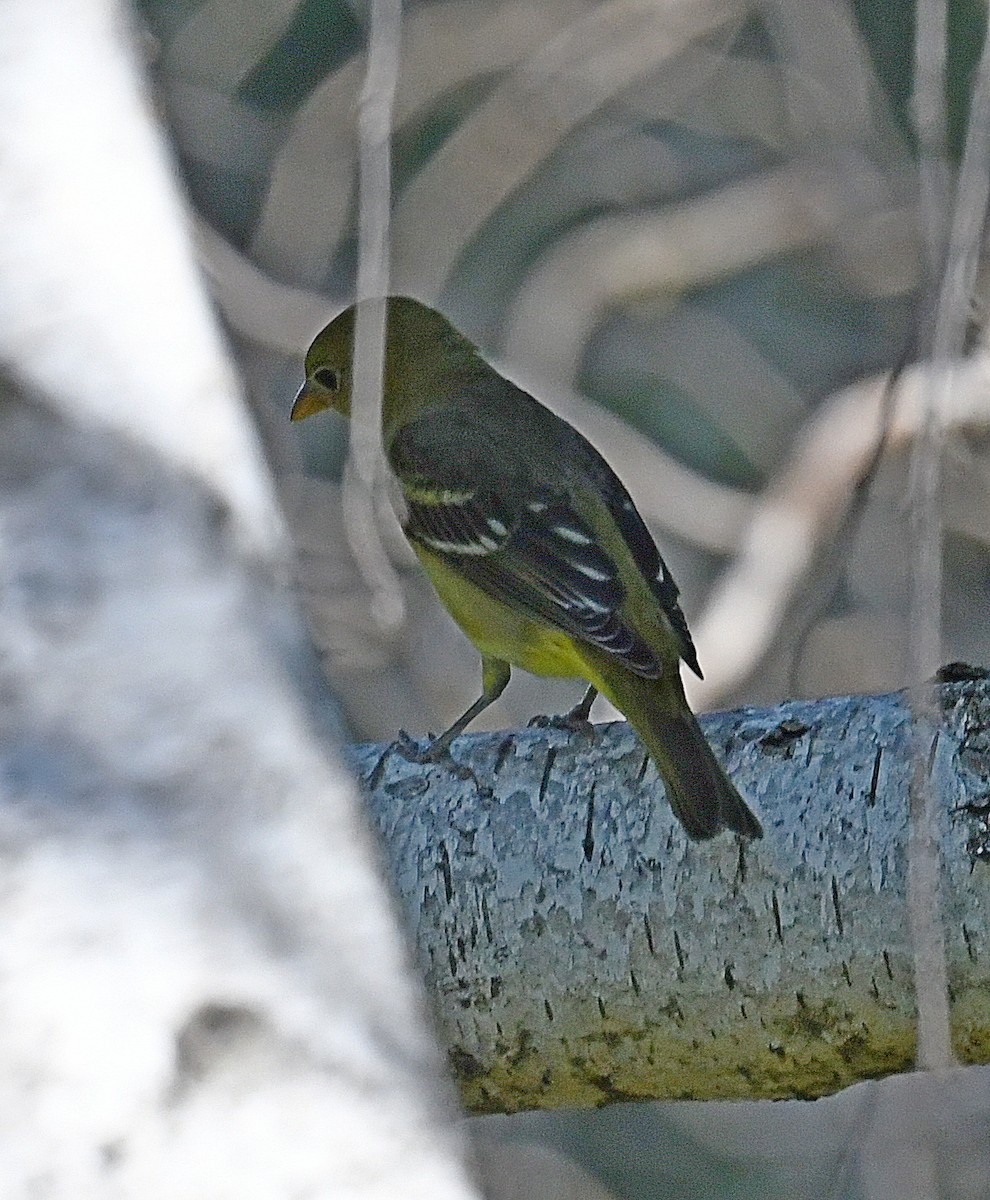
{"x":580,"y":950}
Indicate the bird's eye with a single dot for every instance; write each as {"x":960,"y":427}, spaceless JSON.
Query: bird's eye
{"x":327,"y":377}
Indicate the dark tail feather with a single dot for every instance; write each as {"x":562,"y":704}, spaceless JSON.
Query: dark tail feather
{"x":703,"y":799}
{"x":700,"y":793}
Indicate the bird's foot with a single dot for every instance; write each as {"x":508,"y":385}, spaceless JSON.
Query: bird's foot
{"x":435,"y":750}
{"x":575,"y":721}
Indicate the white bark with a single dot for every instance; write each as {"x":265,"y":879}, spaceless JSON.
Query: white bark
{"x":203,"y":990}
{"x":582,"y":950}
{"x":101,"y":306}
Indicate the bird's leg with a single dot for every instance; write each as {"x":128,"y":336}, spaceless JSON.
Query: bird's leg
{"x":581,"y":711}
{"x":576,"y":720}
{"x":494,"y":676}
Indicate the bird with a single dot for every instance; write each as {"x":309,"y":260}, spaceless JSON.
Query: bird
{"x":532,"y":543}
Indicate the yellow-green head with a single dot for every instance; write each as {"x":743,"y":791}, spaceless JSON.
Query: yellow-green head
{"x":328,"y":370}
{"x":425,"y":356}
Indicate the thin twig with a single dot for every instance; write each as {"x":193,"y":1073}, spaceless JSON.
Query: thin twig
{"x":366,"y":477}
{"x":950,"y":323}
{"x":824,"y":583}
{"x":800,"y":510}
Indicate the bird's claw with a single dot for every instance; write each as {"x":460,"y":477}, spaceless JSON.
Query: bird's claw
{"x":570,"y":722}
{"x":435,"y":750}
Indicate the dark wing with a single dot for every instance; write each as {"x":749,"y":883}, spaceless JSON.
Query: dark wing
{"x":512,"y":531}
{"x":641,"y":545}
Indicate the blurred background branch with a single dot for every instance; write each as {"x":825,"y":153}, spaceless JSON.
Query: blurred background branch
{"x":685,"y":226}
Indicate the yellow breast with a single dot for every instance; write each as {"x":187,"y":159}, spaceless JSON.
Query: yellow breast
{"x":497,"y":631}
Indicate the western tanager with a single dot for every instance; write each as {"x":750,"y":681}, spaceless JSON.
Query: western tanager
{"x":532,"y":543}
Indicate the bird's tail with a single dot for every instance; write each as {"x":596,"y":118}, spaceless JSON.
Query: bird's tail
{"x":699,"y":791}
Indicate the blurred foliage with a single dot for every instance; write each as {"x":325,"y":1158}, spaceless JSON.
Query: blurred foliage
{"x":888,"y":30}
{"x":624,"y":159}
{"x":702,"y":217}
{"x":322,"y":35}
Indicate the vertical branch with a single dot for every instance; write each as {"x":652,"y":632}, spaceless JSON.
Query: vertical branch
{"x":934,"y":1048}
{"x":366,"y":476}
{"x":925,"y":475}
{"x":969,"y":219}
{"x":943,"y":345}
{"x":931,"y":42}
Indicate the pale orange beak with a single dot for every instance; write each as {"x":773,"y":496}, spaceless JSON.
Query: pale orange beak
{"x":309,"y":400}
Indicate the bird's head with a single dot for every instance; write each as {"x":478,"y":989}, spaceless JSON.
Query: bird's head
{"x":328,"y":370}
{"x":425,"y":359}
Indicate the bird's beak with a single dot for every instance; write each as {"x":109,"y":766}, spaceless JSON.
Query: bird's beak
{"x":310,"y":400}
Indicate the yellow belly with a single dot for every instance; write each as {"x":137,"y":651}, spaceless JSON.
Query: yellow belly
{"x":497,"y":631}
